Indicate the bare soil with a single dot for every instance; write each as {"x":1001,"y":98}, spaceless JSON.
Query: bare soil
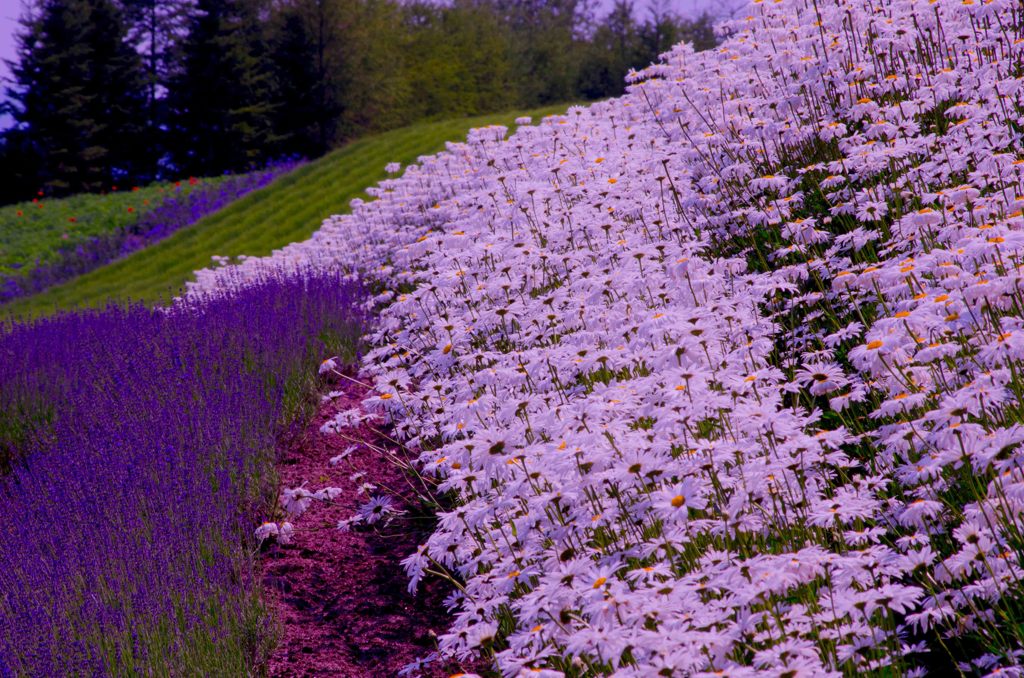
{"x":342,"y":597}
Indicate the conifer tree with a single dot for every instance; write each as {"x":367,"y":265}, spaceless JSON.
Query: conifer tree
{"x":612,"y":51}
{"x":310,"y":70}
{"x":77,"y":98}
{"x":222,"y":102}
{"x":154,"y":28}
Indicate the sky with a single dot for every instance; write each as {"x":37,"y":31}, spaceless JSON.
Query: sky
{"x":9,"y":12}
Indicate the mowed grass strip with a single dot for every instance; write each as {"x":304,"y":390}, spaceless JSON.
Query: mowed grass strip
{"x":289,"y":209}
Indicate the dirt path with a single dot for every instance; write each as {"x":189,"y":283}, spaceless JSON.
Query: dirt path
{"x":342,"y":596}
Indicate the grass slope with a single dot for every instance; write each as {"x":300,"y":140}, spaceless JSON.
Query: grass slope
{"x":287,"y":210}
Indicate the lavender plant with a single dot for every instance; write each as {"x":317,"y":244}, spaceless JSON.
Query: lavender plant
{"x":144,"y":443}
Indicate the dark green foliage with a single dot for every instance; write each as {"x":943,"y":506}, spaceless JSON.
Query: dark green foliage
{"x":547,"y":39}
{"x":615,"y":48}
{"x":21,"y":164}
{"x":78,"y":99}
{"x":309,"y":66}
{"x":459,"y":61}
{"x":222,"y":102}
{"x":663,"y":30}
{"x":203,"y":87}
{"x":154,"y":27}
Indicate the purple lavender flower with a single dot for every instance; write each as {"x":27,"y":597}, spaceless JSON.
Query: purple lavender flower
{"x":144,"y":441}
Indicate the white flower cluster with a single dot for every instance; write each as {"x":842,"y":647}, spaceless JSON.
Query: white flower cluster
{"x":725,"y":375}
{"x":281,"y":532}
{"x":379,"y":509}
{"x":345,"y":419}
{"x":294,"y":501}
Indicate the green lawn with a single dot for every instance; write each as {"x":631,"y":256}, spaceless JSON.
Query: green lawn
{"x":289,"y":209}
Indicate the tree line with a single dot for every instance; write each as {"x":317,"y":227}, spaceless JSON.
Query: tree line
{"x":127,"y":91}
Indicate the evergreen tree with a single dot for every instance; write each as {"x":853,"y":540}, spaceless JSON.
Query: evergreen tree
{"x":621,"y":42}
{"x":222,"y":102}
{"x":310,"y":69}
{"x":21,"y":167}
{"x":77,"y":98}
{"x":154,"y":27}
{"x":664,"y":29}
{"x":614,"y":48}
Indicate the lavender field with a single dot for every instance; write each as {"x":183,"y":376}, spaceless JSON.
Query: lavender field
{"x":721,"y":377}
{"x":164,"y":212}
{"x":139,"y":445}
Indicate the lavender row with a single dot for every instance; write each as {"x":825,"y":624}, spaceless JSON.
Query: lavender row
{"x":174,"y":213}
{"x":144,"y":444}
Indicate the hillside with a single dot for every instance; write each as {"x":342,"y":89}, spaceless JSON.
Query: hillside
{"x":33,"y":231}
{"x":288,"y":210}
{"x":724,"y":373}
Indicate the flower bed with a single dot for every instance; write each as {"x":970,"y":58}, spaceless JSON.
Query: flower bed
{"x":144,"y":443}
{"x":183,"y":207}
{"x":722,"y":376}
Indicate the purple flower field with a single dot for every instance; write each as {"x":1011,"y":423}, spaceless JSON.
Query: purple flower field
{"x":139,"y":449}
